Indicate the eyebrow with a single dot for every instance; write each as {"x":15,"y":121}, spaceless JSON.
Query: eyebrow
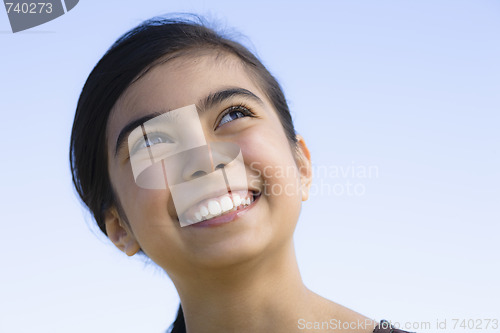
{"x":220,"y":96}
{"x":204,"y":104}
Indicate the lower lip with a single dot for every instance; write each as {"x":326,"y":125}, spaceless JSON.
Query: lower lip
{"x":223,"y":219}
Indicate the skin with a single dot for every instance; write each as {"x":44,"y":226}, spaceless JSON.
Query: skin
{"x":241,"y":276}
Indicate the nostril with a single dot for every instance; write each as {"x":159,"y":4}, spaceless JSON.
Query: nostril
{"x":198,"y":173}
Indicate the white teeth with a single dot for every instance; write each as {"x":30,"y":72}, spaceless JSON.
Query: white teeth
{"x":197,"y":216}
{"x":236,"y":200}
{"x":214,"y":207}
{"x":219,"y":206}
{"x":226,"y":204}
{"x":203,"y":211}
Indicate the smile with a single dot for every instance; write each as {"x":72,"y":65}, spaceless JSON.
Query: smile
{"x":210,"y":209}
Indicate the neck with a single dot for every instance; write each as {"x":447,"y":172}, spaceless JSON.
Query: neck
{"x":264,"y":295}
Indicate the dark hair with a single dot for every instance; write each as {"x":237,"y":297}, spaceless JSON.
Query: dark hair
{"x":130,"y":56}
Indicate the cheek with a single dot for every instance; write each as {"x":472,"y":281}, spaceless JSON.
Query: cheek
{"x":271,"y":166}
{"x":143,"y":207}
{"x":266,"y":143}
{"x":149,"y":214}
{"x":153,"y":227}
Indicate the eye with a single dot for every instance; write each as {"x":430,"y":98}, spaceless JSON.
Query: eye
{"x":150,"y":140}
{"x":233,"y":113}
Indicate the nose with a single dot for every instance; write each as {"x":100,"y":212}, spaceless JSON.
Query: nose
{"x":206,"y":159}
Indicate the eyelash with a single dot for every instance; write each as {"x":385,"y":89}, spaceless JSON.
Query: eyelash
{"x":152,"y":137}
{"x":241,"y":108}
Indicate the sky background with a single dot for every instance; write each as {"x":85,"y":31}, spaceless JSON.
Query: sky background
{"x":407,"y":91}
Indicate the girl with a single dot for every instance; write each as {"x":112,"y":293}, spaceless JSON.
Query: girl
{"x":184,"y":150}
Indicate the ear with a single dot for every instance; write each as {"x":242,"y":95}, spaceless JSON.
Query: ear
{"x":305,"y":167}
{"x":119,"y":233}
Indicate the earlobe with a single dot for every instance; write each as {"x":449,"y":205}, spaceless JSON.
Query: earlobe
{"x":119,"y":233}
{"x":305,"y":166}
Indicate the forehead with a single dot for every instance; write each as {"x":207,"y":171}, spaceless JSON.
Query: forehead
{"x":177,"y":83}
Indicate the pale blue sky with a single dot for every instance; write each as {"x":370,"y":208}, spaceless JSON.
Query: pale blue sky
{"x":409,"y":89}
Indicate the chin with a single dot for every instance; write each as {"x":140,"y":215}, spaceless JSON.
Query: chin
{"x":234,"y":249}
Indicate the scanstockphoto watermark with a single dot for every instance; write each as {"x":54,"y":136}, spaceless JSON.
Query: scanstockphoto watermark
{"x":27,"y":14}
{"x":439,"y":324}
{"x":334,"y":324}
{"x":350,"y":180}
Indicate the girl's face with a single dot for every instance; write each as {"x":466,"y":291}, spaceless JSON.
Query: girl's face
{"x":244,"y":117}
